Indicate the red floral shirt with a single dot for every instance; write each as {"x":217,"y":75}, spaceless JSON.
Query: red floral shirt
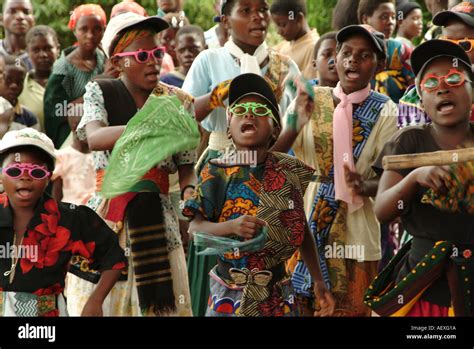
{"x":56,"y":232}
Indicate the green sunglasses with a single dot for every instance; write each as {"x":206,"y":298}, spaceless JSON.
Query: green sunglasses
{"x":257,"y":109}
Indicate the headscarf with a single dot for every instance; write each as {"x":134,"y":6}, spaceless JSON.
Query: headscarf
{"x":86,"y":10}
{"x":128,"y":6}
{"x":130,"y":36}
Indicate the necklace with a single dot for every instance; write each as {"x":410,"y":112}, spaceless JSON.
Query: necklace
{"x":12,"y":270}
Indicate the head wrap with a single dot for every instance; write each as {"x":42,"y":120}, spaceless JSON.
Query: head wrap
{"x":130,"y":36}
{"x":86,"y":10}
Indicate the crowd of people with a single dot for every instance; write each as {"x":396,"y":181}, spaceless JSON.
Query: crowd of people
{"x":157,"y":168}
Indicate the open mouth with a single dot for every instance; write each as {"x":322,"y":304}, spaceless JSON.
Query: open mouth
{"x":445,"y":107}
{"x":24,"y":193}
{"x":248,"y":128}
{"x":352,"y":74}
{"x":258,"y":31}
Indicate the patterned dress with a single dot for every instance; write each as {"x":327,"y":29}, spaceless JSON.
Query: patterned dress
{"x":272,"y":191}
{"x":123,"y":299}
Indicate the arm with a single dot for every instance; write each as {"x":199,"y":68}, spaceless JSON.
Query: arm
{"x":187,"y":176}
{"x":93,"y":307}
{"x":201,"y":107}
{"x":309,"y":254}
{"x":101,"y":137}
{"x":244,"y":226}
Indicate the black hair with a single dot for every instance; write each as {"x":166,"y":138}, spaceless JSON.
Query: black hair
{"x":229,"y":5}
{"x":11,"y":60}
{"x":192,"y":29}
{"x":4,"y":6}
{"x":42,"y":31}
{"x":380,"y":55}
{"x":368,"y":7}
{"x":284,"y":7}
{"x":327,"y":36}
{"x":38,"y":153}
{"x":344,"y":14}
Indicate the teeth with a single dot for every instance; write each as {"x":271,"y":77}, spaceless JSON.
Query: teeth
{"x":446,"y":107}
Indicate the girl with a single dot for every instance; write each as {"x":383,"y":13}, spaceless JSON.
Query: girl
{"x":237,"y":200}
{"x":348,"y":127}
{"x":432,"y":274}
{"x":71,"y":72}
{"x":44,"y":234}
{"x":208,"y":80}
{"x":109,"y":104}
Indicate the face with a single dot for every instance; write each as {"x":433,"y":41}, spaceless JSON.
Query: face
{"x":325,"y":63}
{"x":248,"y":22}
{"x":89,"y":31}
{"x":18,"y":17}
{"x":43,"y":51}
{"x":447,"y":106}
{"x":187,"y":49}
{"x":412,"y":25}
{"x":168,"y":40}
{"x":143,"y":76}
{"x":250,"y":131}
{"x":24,"y":192}
{"x":383,"y":19}
{"x":168,"y":5}
{"x":356,"y":63}
{"x":288,"y":28}
{"x":457,"y":30}
{"x":14,"y":77}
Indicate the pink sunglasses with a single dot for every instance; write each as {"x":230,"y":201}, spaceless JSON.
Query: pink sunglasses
{"x":16,"y":170}
{"x":143,"y":56}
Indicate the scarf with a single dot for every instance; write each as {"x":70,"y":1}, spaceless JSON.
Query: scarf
{"x":248,"y":63}
{"x":342,"y":133}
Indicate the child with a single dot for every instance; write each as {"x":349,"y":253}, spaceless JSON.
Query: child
{"x":432,"y":274}
{"x":43,"y":49}
{"x":409,"y":23}
{"x":15,"y":73}
{"x":397,"y":75}
{"x":73,"y":178}
{"x":231,"y":200}
{"x":169,"y":6}
{"x":218,"y":35}
{"x":168,"y":37}
{"x":156,"y":283}
{"x":208,"y":80}
{"x":349,"y":126}
{"x":457,"y":25}
{"x":290,"y":19}
{"x":324,"y":60}
{"x":17,"y":19}
{"x":189,"y":43}
{"x":71,"y":72}
{"x":46,"y":234}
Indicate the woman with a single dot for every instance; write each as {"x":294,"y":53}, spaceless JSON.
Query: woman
{"x":109,"y":104}
{"x":71,"y":72}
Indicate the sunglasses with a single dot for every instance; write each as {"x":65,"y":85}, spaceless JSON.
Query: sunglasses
{"x":16,"y":170}
{"x":465,"y":43}
{"x":454,"y":78}
{"x":143,"y":56}
{"x":257,"y":109}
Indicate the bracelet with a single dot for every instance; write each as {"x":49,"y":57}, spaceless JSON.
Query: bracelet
{"x":184,"y":189}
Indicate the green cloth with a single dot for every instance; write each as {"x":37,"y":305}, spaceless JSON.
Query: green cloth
{"x":162,"y":128}
{"x":198,"y":272}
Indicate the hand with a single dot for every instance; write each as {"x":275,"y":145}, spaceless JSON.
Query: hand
{"x":188,"y":193}
{"x":247,"y":226}
{"x":354,"y":181}
{"x":304,"y":107}
{"x":219,"y":94}
{"x":433,"y":177}
{"x":93,"y":307}
{"x":325,"y":299}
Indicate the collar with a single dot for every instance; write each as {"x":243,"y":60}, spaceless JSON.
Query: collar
{"x":6,"y":213}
